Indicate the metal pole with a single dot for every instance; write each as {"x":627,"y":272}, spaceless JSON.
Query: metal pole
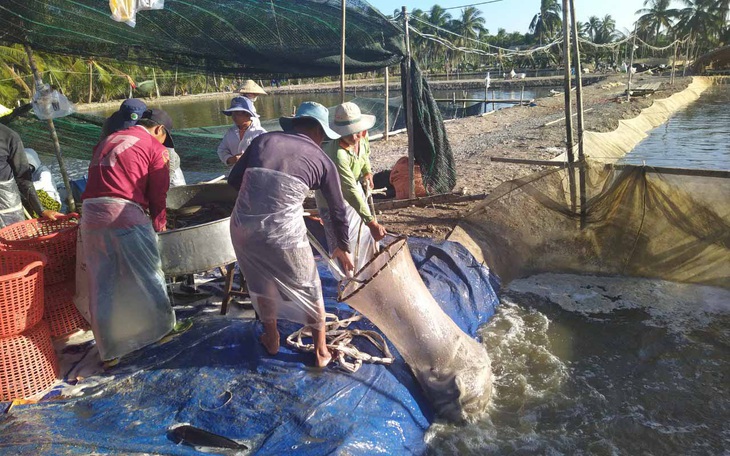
{"x":409,"y":112}
{"x":154,"y":78}
{"x":568,"y":105}
{"x":342,"y":54}
{"x":54,"y":137}
{"x":386,"y":125}
{"x":631,"y":67}
{"x":579,"y":108}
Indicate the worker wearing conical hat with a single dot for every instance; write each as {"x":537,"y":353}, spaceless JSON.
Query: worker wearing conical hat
{"x":251,"y":90}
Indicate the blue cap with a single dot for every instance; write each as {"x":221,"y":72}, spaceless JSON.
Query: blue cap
{"x":314,"y":111}
{"x":241,"y":104}
{"x":129,"y":113}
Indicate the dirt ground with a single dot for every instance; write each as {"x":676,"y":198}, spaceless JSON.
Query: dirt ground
{"x":518,"y":132}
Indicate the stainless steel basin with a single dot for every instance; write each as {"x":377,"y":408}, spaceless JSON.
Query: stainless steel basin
{"x":201,"y":247}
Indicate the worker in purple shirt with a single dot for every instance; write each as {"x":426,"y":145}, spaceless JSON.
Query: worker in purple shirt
{"x":267,"y":225}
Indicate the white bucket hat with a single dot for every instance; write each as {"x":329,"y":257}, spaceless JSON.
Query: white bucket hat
{"x":349,"y":120}
{"x":251,"y":87}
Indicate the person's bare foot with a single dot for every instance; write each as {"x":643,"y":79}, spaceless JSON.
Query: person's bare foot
{"x":270,"y":342}
{"x":322,"y":359}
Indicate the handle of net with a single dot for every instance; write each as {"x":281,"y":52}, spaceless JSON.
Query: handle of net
{"x":340,"y":275}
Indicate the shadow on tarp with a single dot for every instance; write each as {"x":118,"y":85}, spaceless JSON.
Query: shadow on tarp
{"x":217,"y":377}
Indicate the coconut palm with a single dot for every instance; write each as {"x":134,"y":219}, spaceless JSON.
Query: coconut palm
{"x":702,"y":18}
{"x":592,"y":26}
{"x":658,"y":15}
{"x":547,"y":22}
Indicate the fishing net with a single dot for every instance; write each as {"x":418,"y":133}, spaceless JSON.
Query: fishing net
{"x":643,"y":221}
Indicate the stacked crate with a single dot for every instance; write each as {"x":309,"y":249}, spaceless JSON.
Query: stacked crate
{"x":56,"y":240}
{"x":28,"y":364}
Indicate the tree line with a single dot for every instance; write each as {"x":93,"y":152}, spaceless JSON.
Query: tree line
{"x":703,"y":23}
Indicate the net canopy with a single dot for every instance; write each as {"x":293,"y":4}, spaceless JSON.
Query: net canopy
{"x":300,"y":37}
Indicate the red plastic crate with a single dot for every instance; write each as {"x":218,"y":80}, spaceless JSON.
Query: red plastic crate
{"x":61,"y":313}
{"x":21,"y":291}
{"x":28,"y":364}
{"x":56,"y":239}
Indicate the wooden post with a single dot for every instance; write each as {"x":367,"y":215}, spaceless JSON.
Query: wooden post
{"x":522,"y":95}
{"x":579,"y":109}
{"x":630,"y":70}
{"x":409,"y":112}
{"x":568,"y":105}
{"x":686,"y":55}
{"x":342,"y":53}
{"x":91,"y":83}
{"x":54,"y":137}
{"x":674,"y":60}
{"x":154,"y":78}
{"x":386,"y":125}
{"x":174,"y":87}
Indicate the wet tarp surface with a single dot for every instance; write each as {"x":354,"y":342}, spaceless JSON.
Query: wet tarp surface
{"x":217,"y":377}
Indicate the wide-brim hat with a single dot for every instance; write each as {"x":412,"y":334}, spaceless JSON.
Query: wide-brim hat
{"x":242,"y":104}
{"x":314,"y":111}
{"x":349,"y":119}
{"x":249,"y":86}
{"x":160,"y":117}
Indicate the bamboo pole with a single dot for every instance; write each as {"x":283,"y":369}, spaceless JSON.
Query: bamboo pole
{"x":674,"y":60}
{"x":174,"y":87}
{"x":91,"y":81}
{"x":386,"y":125}
{"x":686,"y":55}
{"x":579,"y":109}
{"x":54,"y":136}
{"x":342,"y":52}
{"x":409,"y":112}
{"x":568,"y":105}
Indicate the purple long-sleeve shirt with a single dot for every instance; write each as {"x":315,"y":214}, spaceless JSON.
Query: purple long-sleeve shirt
{"x":298,"y":156}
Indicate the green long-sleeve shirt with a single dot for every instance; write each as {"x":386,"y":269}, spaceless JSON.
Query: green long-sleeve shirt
{"x":351,"y":168}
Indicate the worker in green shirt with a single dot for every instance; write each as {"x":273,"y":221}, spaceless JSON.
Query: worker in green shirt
{"x":351,"y":155}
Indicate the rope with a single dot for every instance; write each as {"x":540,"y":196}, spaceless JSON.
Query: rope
{"x":339,"y":342}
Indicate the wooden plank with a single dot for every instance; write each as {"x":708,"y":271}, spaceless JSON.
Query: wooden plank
{"x":524,"y":161}
{"x":677,"y":171}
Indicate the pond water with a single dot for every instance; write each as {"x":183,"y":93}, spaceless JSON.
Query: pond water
{"x":207,"y":112}
{"x":696,"y":137}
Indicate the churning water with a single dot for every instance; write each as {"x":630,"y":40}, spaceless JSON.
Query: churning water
{"x":613,"y":365}
{"x":696,"y":137}
{"x":601,"y":365}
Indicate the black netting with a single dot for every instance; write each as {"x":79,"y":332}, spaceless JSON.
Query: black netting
{"x":295,"y":37}
{"x":431,"y":146}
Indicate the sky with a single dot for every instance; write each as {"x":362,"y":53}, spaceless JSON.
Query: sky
{"x":515,"y":15}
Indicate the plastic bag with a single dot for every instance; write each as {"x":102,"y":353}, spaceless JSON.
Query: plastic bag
{"x":11,"y":206}
{"x":50,"y":104}
{"x":126,"y":10}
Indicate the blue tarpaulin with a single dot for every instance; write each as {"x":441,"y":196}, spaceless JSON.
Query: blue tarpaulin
{"x":217,"y":377}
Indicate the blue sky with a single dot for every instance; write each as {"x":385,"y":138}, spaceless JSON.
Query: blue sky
{"x":515,"y":15}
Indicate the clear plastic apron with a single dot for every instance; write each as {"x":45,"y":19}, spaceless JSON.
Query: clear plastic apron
{"x":11,"y":206}
{"x":128,"y":302}
{"x":270,"y":240}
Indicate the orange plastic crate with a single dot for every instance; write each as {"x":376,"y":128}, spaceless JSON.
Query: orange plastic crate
{"x":61,"y":313}
{"x":28,"y":364}
{"x":21,"y":291}
{"x":56,"y":239}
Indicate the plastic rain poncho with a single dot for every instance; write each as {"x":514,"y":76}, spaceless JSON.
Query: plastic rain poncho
{"x":11,"y":206}
{"x":270,"y":240}
{"x":128,"y":304}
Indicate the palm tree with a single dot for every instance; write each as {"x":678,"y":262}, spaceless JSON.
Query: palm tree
{"x":657,"y":16}
{"x":699,"y":19}
{"x":547,"y":22}
{"x":592,"y":27}
{"x":469,"y":26}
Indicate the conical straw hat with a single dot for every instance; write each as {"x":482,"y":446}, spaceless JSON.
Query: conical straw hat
{"x":251,"y":87}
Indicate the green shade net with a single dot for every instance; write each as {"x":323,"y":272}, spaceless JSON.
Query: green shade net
{"x":295,"y":37}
